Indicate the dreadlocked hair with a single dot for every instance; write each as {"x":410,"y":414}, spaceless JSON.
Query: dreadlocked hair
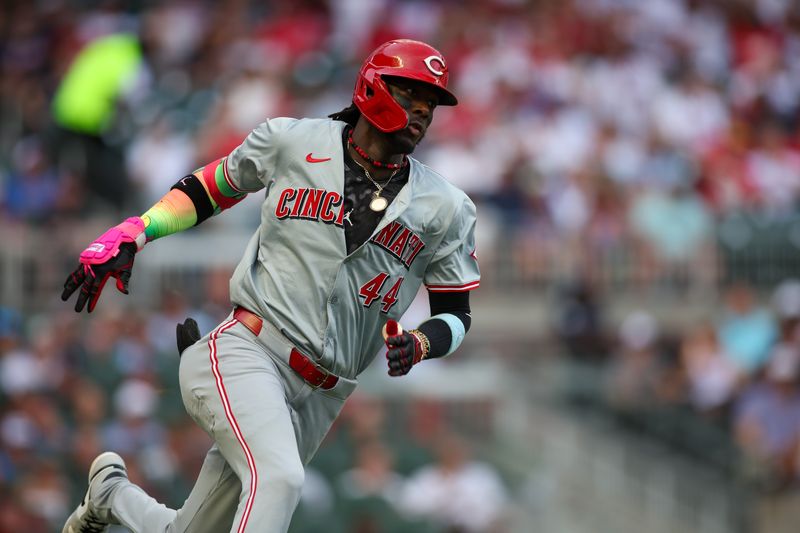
{"x":349,"y":114}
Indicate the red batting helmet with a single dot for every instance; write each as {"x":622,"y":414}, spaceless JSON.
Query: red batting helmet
{"x":403,"y":58}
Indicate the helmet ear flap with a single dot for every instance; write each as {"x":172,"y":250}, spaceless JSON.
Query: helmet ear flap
{"x":363,"y":88}
{"x":377,"y":104}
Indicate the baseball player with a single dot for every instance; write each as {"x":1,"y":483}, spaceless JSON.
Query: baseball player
{"x":351,"y":227}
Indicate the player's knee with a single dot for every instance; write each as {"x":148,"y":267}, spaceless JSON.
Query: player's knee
{"x":288,"y":479}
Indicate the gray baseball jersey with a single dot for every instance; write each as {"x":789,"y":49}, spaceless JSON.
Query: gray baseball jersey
{"x":296,"y":272}
{"x":266,"y":421}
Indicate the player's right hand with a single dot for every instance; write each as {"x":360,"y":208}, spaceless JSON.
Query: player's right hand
{"x":403,"y":349}
{"x":110,"y":255}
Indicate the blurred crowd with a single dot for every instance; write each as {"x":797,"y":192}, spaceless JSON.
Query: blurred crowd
{"x":588,"y":130}
{"x":724,"y":389}
{"x":600,"y":139}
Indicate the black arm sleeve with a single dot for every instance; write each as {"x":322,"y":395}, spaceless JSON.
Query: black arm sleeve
{"x":191,"y":186}
{"x":437,"y":330}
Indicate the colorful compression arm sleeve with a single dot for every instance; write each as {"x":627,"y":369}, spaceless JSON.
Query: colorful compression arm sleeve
{"x":173,"y":213}
{"x":193,"y":199}
{"x":218,"y":184}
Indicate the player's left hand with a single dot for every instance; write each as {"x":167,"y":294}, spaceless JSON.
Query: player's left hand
{"x":404,"y":349}
{"x":186,"y":334}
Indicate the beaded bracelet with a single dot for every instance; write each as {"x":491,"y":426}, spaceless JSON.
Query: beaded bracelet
{"x":424,"y":342}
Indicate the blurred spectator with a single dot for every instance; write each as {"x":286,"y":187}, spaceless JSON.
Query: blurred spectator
{"x":173,"y":309}
{"x":690,"y":112}
{"x":580,"y":326}
{"x":675,"y":229}
{"x":767,"y":418}
{"x":216,"y":302}
{"x":635,"y":375}
{"x":786,"y":300}
{"x":365,"y":417}
{"x":133,"y":430}
{"x":18,"y":372}
{"x":774,"y":165}
{"x":133,"y":352}
{"x":18,"y":437}
{"x":253,"y":93}
{"x":316,"y":510}
{"x":458,"y":492}
{"x":10,"y":327}
{"x":371,"y":475}
{"x":50,"y":430}
{"x":97,"y":349}
{"x":712,"y":377}
{"x":32,"y":187}
{"x":15,"y":516}
{"x":370,"y":491}
{"x":724,"y":183}
{"x":86,"y":105}
{"x":187,"y":447}
{"x":172,"y":148}
{"x":746,"y":329}
{"x":88,"y":402}
{"x":43,"y":493}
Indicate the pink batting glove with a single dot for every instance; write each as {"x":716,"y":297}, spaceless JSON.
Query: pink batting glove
{"x":107,"y":245}
{"x":110,"y":255}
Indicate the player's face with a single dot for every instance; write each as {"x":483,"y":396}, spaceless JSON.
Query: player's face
{"x":419,"y":100}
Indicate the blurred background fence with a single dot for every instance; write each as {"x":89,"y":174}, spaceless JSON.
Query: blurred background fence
{"x":634,"y":358}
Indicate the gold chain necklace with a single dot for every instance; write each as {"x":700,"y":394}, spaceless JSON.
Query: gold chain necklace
{"x":378,"y":202}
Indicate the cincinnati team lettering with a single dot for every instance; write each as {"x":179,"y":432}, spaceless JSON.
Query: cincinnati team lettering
{"x":328,"y":207}
{"x":311,"y":204}
{"x":399,"y":241}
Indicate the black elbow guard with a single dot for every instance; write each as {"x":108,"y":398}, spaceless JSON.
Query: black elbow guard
{"x":191,"y":186}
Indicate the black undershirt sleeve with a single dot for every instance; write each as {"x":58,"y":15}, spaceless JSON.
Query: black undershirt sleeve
{"x":437,"y":330}
{"x":191,"y":186}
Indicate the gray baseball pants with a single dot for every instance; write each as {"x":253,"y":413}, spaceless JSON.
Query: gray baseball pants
{"x":267,"y":423}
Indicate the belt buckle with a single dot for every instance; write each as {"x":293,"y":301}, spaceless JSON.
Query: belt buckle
{"x":324,"y":376}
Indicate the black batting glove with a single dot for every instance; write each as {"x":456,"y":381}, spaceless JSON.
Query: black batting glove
{"x":187,"y":334}
{"x":404,"y":348}
{"x":400,"y":354}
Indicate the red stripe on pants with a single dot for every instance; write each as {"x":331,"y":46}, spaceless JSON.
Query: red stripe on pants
{"x":212,"y":345}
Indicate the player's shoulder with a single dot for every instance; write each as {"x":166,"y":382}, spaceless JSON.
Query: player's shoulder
{"x":286,"y":133}
{"x":314,"y":123}
{"x":433,"y":183}
{"x":300,"y":125}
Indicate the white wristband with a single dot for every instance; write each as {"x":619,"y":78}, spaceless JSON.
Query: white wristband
{"x":457,"y":330}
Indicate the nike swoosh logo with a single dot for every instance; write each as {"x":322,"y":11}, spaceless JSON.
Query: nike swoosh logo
{"x":312,"y":159}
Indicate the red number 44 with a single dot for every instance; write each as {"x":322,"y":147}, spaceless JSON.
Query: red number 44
{"x":371,"y":291}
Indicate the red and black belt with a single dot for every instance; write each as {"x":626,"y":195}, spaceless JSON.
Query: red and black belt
{"x":313,"y":374}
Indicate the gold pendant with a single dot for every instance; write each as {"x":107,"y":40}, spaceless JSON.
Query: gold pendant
{"x":378,"y":202}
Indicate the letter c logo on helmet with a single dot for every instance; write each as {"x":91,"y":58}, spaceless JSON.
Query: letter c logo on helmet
{"x":401,"y":58}
{"x":430,"y":59}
